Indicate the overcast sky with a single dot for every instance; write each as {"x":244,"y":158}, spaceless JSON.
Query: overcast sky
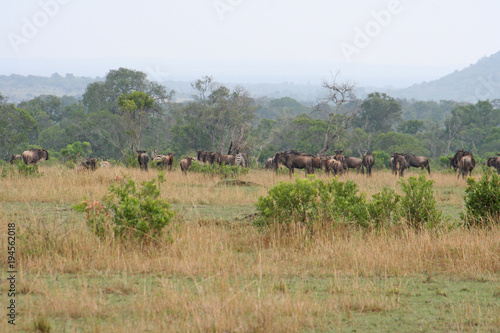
{"x":373,"y":42}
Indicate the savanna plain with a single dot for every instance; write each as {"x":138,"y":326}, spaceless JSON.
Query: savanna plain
{"x":213,"y":270}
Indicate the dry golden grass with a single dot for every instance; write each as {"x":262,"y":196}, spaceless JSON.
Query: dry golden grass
{"x":225,"y":276}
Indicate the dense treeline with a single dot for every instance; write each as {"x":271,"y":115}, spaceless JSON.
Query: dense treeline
{"x":126,"y":112}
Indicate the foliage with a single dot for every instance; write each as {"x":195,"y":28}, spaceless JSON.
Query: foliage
{"x":16,"y":128}
{"x":222,"y":171}
{"x":418,"y":205}
{"x":20,"y":169}
{"x":311,"y":200}
{"x":292,"y":202}
{"x":76,"y":150}
{"x":382,"y":159}
{"x":308,"y":201}
{"x":379,"y":113}
{"x":129,"y":211}
{"x":383,"y":207}
{"x":482,"y":200}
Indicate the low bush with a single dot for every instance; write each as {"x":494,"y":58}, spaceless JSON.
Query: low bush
{"x":418,"y":205}
{"x":482,"y":200}
{"x":307,"y":201}
{"x":128,"y":211}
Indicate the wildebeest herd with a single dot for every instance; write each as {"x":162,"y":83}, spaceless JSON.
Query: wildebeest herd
{"x":337,"y":164}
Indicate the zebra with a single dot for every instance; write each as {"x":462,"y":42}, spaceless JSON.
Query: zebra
{"x":240,"y":160}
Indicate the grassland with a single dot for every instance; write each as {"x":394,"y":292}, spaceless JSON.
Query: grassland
{"x":214,"y":271}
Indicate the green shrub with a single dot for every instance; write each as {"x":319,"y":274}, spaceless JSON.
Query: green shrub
{"x":383,"y":207}
{"x":482,"y":200}
{"x":129,"y":211}
{"x":346,"y":204}
{"x":290,"y":202}
{"x":308,"y":200}
{"x":418,"y":205}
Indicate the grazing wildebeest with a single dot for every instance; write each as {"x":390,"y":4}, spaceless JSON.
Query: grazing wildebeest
{"x":335,"y":166}
{"x":418,"y":162}
{"x":105,"y":164}
{"x":354,"y":163}
{"x":185,"y":163}
{"x":292,"y":160}
{"x":15,"y":157}
{"x":32,"y":156}
{"x":368,"y":162}
{"x":466,"y":165}
{"x":165,"y":161}
{"x":90,"y":164}
{"x":143,"y":159}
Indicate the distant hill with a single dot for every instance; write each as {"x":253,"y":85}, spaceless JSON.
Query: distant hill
{"x":479,"y":81}
{"x":18,"y":88}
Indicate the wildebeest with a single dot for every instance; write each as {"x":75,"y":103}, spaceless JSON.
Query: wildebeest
{"x":292,"y":160}
{"x":32,"y":156}
{"x":335,"y":166}
{"x":15,"y":157}
{"x":399,"y":164}
{"x":90,"y":164}
{"x":165,"y":161}
{"x":466,"y":165}
{"x":143,"y":159}
{"x":418,"y":162}
{"x":200,"y":155}
{"x":368,"y":162}
{"x":354,"y":163}
{"x":494,"y":162}
{"x":226,"y":159}
{"x":341,"y":158}
{"x":185,"y":163}
{"x":456,"y":158}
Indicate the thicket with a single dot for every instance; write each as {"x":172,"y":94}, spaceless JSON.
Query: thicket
{"x":482,"y":200}
{"x":309,"y":201}
{"x":128,"y":211}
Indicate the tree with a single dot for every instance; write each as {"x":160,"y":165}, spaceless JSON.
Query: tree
{"x":134,"y":109}
{"x":16,"y":126}
{"x":338,"y":95}
{"x":104,"y":95}
{"x":378,"y":113}
{"x":216,"y":117}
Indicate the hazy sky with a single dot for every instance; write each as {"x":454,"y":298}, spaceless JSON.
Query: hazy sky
{"x":370,"y":41}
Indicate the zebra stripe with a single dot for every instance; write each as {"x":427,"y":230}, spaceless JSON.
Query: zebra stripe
{"x":240,"y":160}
